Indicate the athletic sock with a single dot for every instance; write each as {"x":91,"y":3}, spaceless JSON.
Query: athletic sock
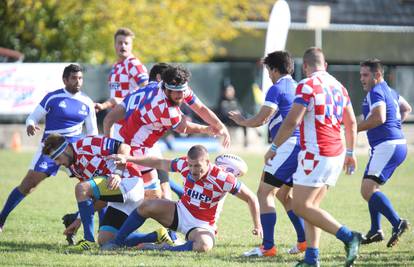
{"x":86,"y":213}
{"x":13,"y":200}
{"x":344,"y":234}
{"x":375,"y":217}
{"x":132,"y":223}
{"x":381,"y":203}
{"x":268,"y":224}
{"x":135,"y":238}
{"x":311,"y":256}
{"x":298,"y":224}
{"x":176,"y":188}
{"x":187,"y":246}
{"x":101,"y":215}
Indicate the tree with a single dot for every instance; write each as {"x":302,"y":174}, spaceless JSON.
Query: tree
{"x":166,"y":30}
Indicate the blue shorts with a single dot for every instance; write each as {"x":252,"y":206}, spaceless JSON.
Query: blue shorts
{"x":42,"y":163}
{"x":285,"y":163}
{"x":385,"y":158}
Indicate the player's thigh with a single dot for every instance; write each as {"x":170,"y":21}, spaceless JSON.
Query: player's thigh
{"x":161,"y":210}
{"x":305,"y":196}
{"x":31,"y":180}
{"x":203,"y":239}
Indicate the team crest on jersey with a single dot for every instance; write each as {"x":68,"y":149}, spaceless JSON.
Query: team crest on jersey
{"x":83,"y":111}
{"x":62,"y":104}
{"x":43,"y":165}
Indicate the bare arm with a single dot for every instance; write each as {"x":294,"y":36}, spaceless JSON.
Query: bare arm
{"x":189,"y":127}
{"x":112,"y":102}
{"x":350,"y":123}
{"x":293,"y":119}
{"x":259,"y":119}
{"x":211,"y":119}
{"x":377,"y":117}
{"x":150,"y":161}
{"x":250,"y":198}
{"x":113,"y":116}
{"x":405,"y":108}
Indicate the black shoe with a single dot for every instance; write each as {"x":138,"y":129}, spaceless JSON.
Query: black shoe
{"x":67,"y":220}
{"x":352,"y":249}
{"x":302,"y":263}
{"x":372,"y":237}
{"x":402,"y":227}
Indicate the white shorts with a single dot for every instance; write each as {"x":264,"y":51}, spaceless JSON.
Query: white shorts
{"x":316,"y":170}
{"x":187,"y":222}
{"x":133,"y":192}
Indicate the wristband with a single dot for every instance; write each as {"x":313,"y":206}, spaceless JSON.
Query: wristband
{"x":349,"y":153}
{"x":273,"y":147}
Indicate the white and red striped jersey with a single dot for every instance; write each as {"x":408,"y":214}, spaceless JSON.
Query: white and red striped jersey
{"x":126,"y":76}
{"x":325,"y":99}
{"x":202,"y":197}
{"x":89,"y":153}
{"x":153,"y":116}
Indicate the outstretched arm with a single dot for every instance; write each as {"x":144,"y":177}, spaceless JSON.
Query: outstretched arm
{"x":153,"y":162}
{"x":211,"y":119}
{"x":250,"y":198}
{"x":262,"y":117}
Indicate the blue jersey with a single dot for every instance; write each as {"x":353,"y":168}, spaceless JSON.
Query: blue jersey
{"x":382,"y":94}
{"x":133,"y":100}
{"x":65,"y":113}
{"x":280,"y":97}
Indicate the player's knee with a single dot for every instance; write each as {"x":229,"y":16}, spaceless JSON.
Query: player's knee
{"x":202,"y":246}
{"x":81,"y":190}
{"x":104,"y":237}
{"x":145,"y":208}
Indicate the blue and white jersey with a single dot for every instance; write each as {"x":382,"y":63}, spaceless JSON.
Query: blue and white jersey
{"x":382,"y":94}
{"x":65,"y":113}
{"x":280,"y":97}
{"x":132,"y":100}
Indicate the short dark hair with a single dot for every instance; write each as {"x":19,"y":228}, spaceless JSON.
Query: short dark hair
{"x":176,"y":75}
{"x":125,"y":32}
{"x":158,"y":68}
{"x":373,"y":64}
{"x":52,"y":142}
{"x":280,"y":60}
{"x":314,"y":57}
{"x":71,"y":68}
{"x":197,"y":151}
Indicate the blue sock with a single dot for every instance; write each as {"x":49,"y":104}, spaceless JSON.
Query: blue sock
{"x":86,"y":213}
{"x":298,"y":224}
{"x":132,"y":223}
{"x":311,"y":256}
{"x":381,"y":203}
{"x":176,"y":188}
{"x":187,"y":246}
{"x":375,"y":217}
{"x":135,"y":238}
{"x":344,"y":234}
{"x":101,"y":214}
{"x":172,"y":234}
{"x":12,"y":201}
{"x":268,"y":224}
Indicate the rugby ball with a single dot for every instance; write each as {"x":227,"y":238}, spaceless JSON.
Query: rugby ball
{"x":232,"y":163}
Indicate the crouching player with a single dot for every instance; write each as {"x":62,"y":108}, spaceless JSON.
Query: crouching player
{"x":101,"y":179}
{"x":195,"y":214}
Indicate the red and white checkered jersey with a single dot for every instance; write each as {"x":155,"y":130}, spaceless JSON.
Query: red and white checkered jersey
{"x":89,"y":153}
{"x":202,"y":197}
{"x":152,"y":118}
{"x":126,"y":76}
{"x":325,"y":99}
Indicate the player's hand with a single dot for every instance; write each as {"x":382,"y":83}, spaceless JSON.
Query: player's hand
{"x":99,"y":107}
{"x":236,"y":117}
{"x":32,"y":129}
{"x":119,"y":159}
{"x":350,"y":164}
{"x":225,"y":133}
{"x":113,"y":181}
{"x":258,"y":232}
{"x":269,"y":156}
{"x":73,"y":227}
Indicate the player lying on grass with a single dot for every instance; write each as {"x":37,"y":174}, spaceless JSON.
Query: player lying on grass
{"x":194,"y":215}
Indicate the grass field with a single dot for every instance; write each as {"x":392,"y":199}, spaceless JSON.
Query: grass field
{"x":33,"y":232}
